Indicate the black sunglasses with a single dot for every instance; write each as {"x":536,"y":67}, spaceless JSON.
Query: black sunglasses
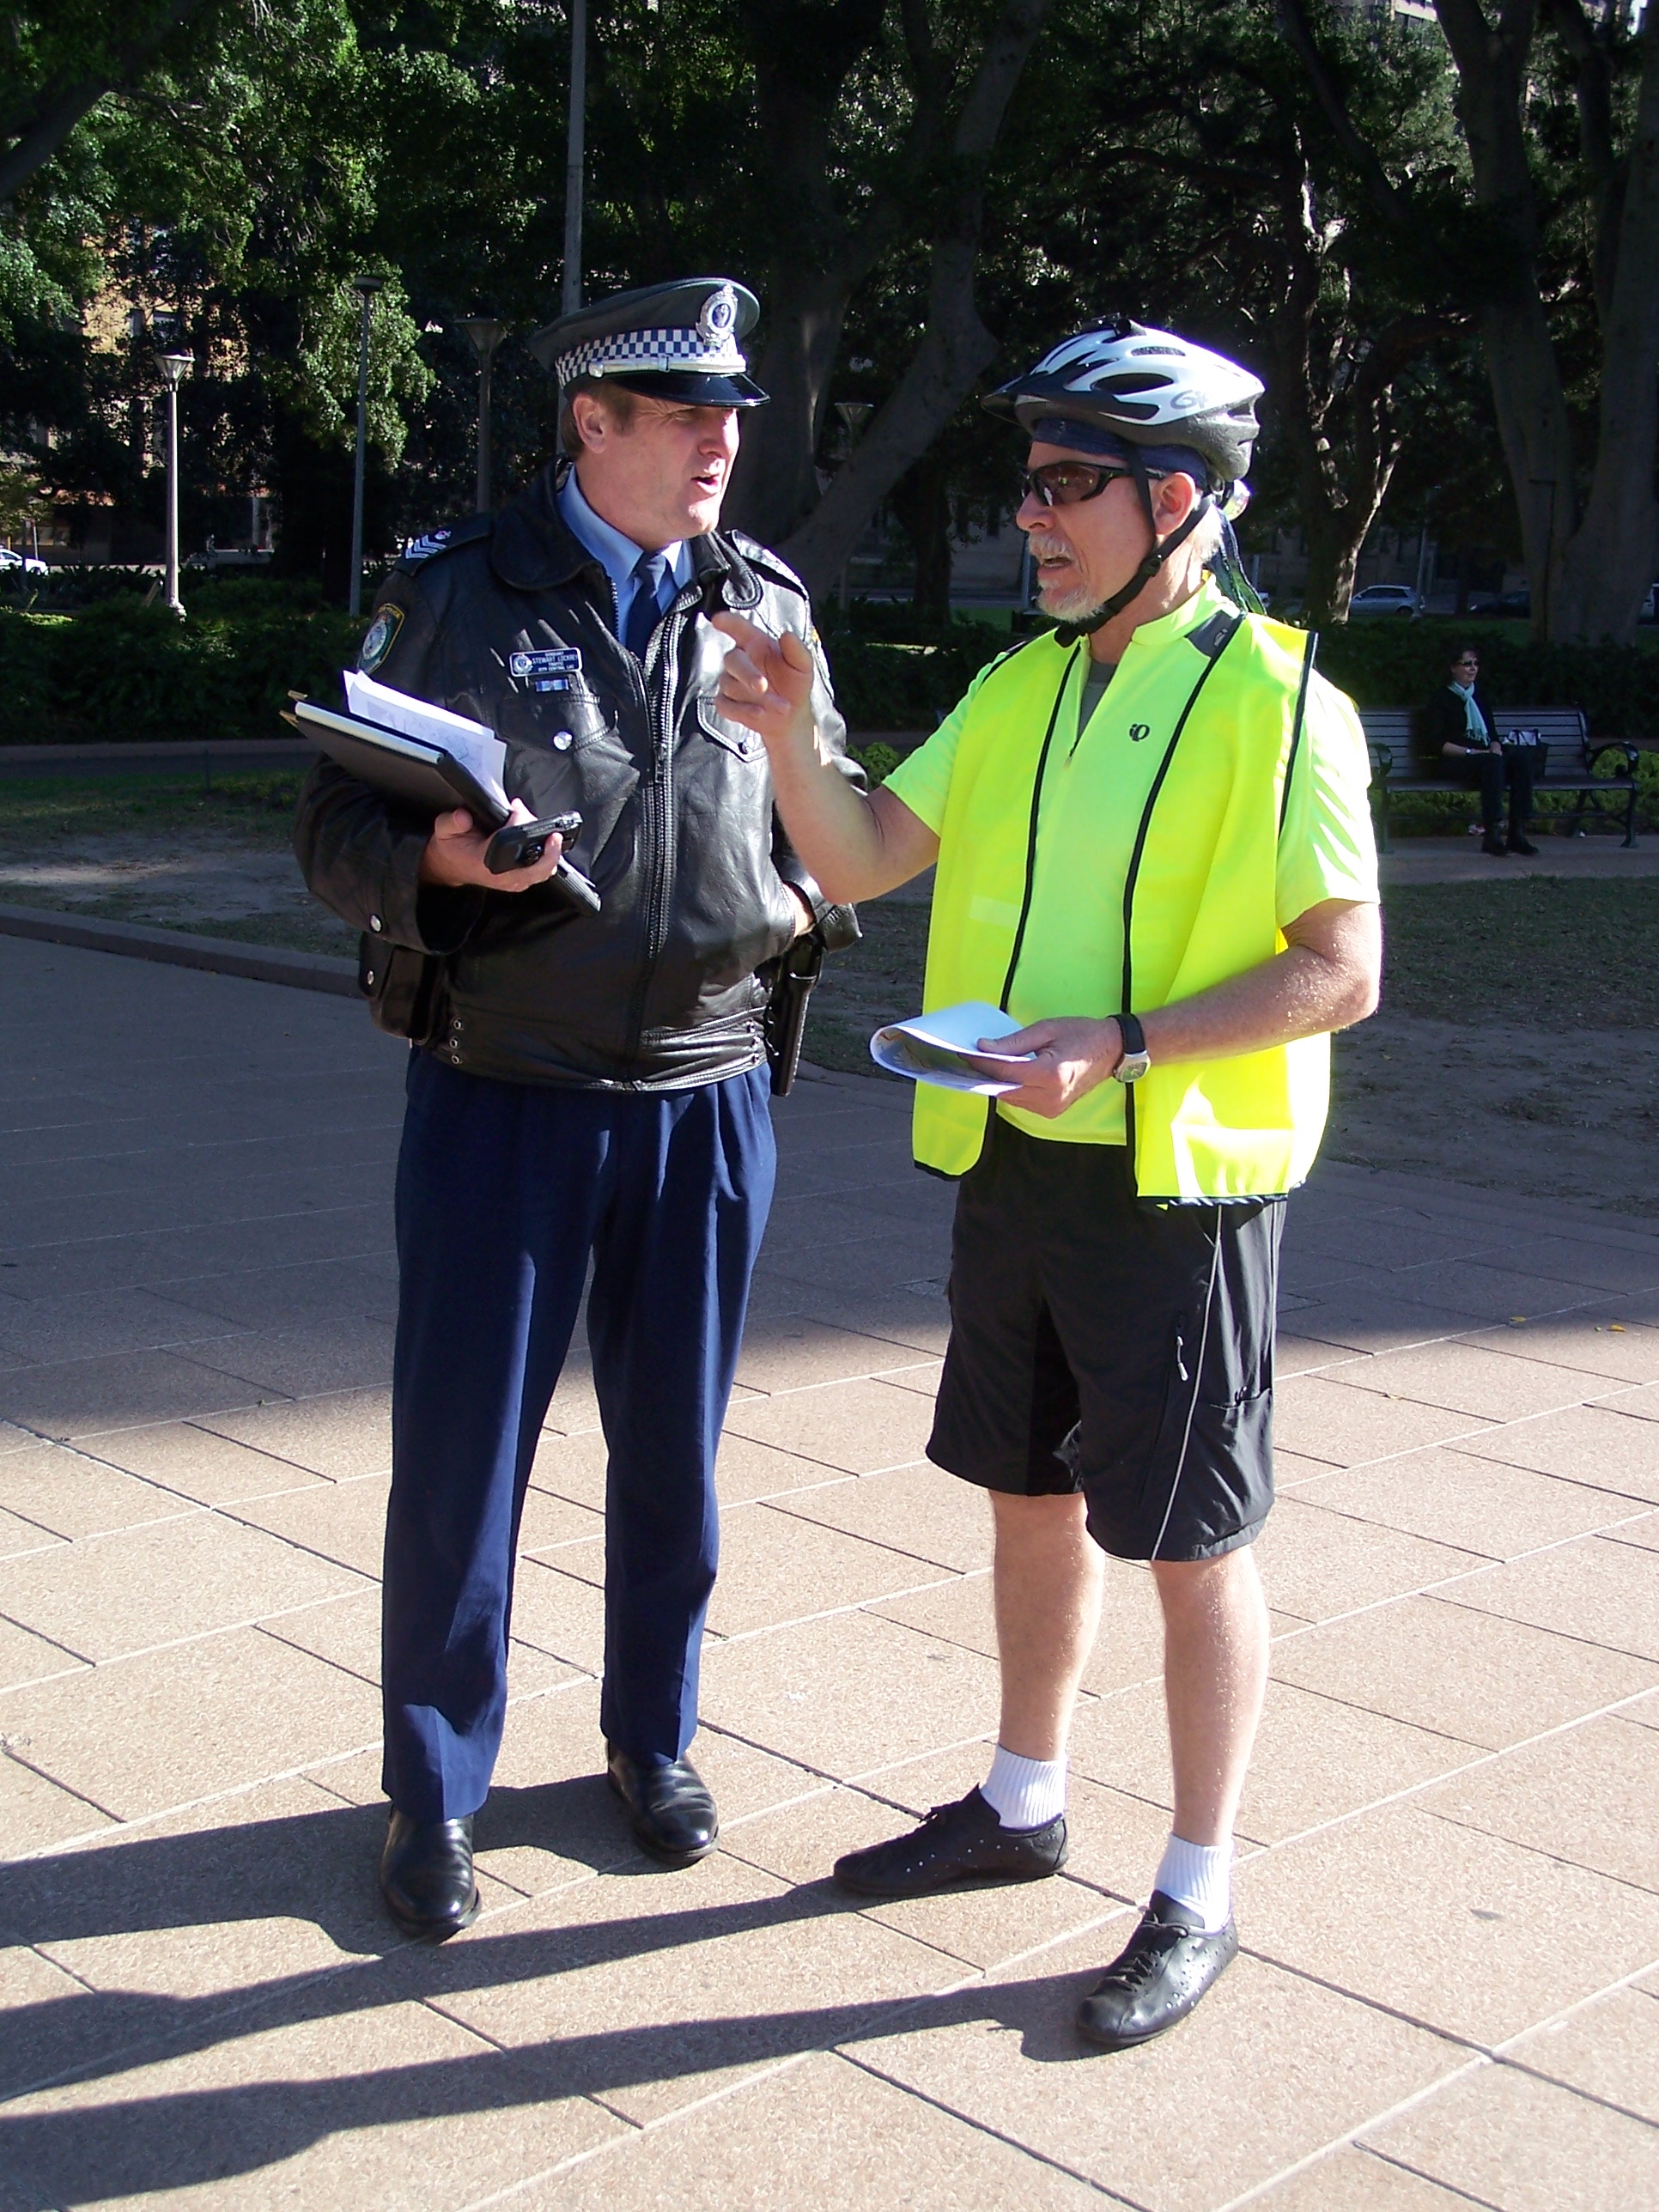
{"x":1068,"y":483}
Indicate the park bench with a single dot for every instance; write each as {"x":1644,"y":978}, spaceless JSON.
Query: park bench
{"x":1571,"y":760}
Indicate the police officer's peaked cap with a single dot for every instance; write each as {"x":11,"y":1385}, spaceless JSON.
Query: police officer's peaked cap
{"x":673,"y":341}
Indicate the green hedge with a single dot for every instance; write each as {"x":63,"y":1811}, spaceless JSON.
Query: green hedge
{"x":1383,"y":661}
{"x":125,"y":672}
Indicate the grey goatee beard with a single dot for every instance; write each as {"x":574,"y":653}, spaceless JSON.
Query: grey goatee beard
{"x":1066,"y":606}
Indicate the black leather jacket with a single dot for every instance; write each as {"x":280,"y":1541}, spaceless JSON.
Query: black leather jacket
{"x":679,"y":833}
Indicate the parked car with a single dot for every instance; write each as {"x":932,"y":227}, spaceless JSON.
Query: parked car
{"x":23,"y":564}
{"x":1383,"y":599}
{"x":1511,"y":606}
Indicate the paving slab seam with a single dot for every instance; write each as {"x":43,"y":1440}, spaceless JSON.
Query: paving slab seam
{"x":1485,"y":1758}
{"x":1260,"y":2189}
{"x":997,"y":2135}
{"x":1433,"y":1589}
{"x":189,"y":1228}
{"x":1540,"y":1851}
{"x":1645,"y":1511}
{"x":135,"y":1824}
{"x":940,"y":1580}
{"x":55,"y":1642}
{"x":641,"y":2129}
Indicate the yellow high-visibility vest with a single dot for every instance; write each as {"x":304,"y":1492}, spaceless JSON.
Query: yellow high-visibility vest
{"x":1219,"y":699}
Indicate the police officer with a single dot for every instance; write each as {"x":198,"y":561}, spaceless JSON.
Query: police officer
{"x":1154,"y":851}
{"x":582,"y":1086}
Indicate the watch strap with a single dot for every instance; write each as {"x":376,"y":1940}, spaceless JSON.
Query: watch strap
{"x":1135,"y":1060}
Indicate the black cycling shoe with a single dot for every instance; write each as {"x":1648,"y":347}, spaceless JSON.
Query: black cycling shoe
{"x":426,"y":1876}
{"x":955,"y":1843}
{"x":1157,"y":1980}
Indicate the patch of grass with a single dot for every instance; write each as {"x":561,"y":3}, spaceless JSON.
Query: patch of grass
{"x":1540,"y":952}
{"x":257,"y":808}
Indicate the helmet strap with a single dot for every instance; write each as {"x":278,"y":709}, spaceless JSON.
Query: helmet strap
{"x":1159,"y":552}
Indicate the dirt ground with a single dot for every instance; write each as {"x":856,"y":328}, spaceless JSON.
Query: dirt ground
{"x":1569,"y":1112}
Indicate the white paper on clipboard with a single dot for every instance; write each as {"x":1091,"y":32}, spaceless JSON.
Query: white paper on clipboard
{"x":938,"y":1047}
{"x":478,"y":750}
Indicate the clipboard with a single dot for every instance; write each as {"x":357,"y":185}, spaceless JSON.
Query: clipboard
{"x":423,"y":777}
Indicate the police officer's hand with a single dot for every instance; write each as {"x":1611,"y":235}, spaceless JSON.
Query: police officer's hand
{"x":767,"y":682}
{"x":454,"y":855}
{"x":1072,"y":1056}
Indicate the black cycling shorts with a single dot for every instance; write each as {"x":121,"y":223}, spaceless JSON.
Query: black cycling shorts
{"x":1102,"y":1344}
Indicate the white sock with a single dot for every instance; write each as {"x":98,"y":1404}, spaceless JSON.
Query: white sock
{"x":1201,"y":1877}
{"x":1025,"y":1793}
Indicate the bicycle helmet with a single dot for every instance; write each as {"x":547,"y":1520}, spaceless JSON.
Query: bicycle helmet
{"x":1151,"y":388}
{"x":1159,"y":403}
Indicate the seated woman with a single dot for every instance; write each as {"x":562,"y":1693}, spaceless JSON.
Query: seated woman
{"x":1456,"y":736}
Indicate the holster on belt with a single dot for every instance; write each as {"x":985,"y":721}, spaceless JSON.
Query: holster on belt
{"x":798,"y":970}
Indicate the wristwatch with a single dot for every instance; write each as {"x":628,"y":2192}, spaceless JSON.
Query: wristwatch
{"x":1136,"y":1059}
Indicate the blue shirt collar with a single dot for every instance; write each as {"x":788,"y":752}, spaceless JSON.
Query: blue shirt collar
{"x":617,"y":555}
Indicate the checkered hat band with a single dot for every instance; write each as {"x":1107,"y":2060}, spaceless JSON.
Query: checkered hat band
{"x":643,"y":350}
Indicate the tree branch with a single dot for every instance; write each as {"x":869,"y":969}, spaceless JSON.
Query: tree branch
{"x":1391,"y":203}
{"x":41,"y":128}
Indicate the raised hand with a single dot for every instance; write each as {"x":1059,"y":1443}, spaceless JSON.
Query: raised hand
{"x":767,"y":682}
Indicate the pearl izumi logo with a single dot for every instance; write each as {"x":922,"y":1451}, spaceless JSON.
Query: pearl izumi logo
{"x":1139,"y":730}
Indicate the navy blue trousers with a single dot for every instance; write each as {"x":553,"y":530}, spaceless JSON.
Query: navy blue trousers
{"x":504,"y":1189}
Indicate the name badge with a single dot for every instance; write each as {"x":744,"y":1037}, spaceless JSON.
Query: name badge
{"x":549,"y":669}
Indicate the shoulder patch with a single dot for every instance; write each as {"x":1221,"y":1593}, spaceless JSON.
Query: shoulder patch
{"x":447,"y":540}
{"x":1211,"y":636}
{"x":379,"y":637}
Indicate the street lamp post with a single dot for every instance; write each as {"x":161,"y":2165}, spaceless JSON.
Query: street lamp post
{"x":486,"y":335}
{"x":173,"y":366}
{"x":573,"y":163}
{"x":364,"y":287}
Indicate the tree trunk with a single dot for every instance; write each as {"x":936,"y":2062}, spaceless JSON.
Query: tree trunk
{"x":1590,"y":568}
{"x":955,"y":347}
{"x":956,"y":344}
{"x":1603,"y":573}
{"x":921,"y":500}
{"x":775,"y":481}
{"x":804,"y":52}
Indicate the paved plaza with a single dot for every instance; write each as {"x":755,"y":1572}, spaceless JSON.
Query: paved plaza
{"x":1449,"y":1893}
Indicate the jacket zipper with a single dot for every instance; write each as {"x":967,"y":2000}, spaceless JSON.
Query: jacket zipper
{"x":657,"y":814}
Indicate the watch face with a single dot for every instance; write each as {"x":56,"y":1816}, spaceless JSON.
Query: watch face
{"x":1131,"y":1067}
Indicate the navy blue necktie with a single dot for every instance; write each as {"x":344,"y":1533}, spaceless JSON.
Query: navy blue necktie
{"x":650,"y":572}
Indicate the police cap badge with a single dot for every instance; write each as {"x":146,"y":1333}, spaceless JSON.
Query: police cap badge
{"x":677,"y":340}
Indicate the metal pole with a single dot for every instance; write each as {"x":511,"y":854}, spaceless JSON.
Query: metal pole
{"x":173,"y":367}
{"x":173,"y":598}
{"x":573,"y":167}
{"x":364,"y":287}
{"x":486,"y":335}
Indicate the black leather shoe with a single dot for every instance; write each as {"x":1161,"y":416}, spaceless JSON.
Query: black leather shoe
{"x":669,"y":1807}
{"x":426,"y":1876}
{"x":955,"y":1843}
{"x":1523,"y":845}
{"x":1492,"y":843}
{"x":1168,"y":1965}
